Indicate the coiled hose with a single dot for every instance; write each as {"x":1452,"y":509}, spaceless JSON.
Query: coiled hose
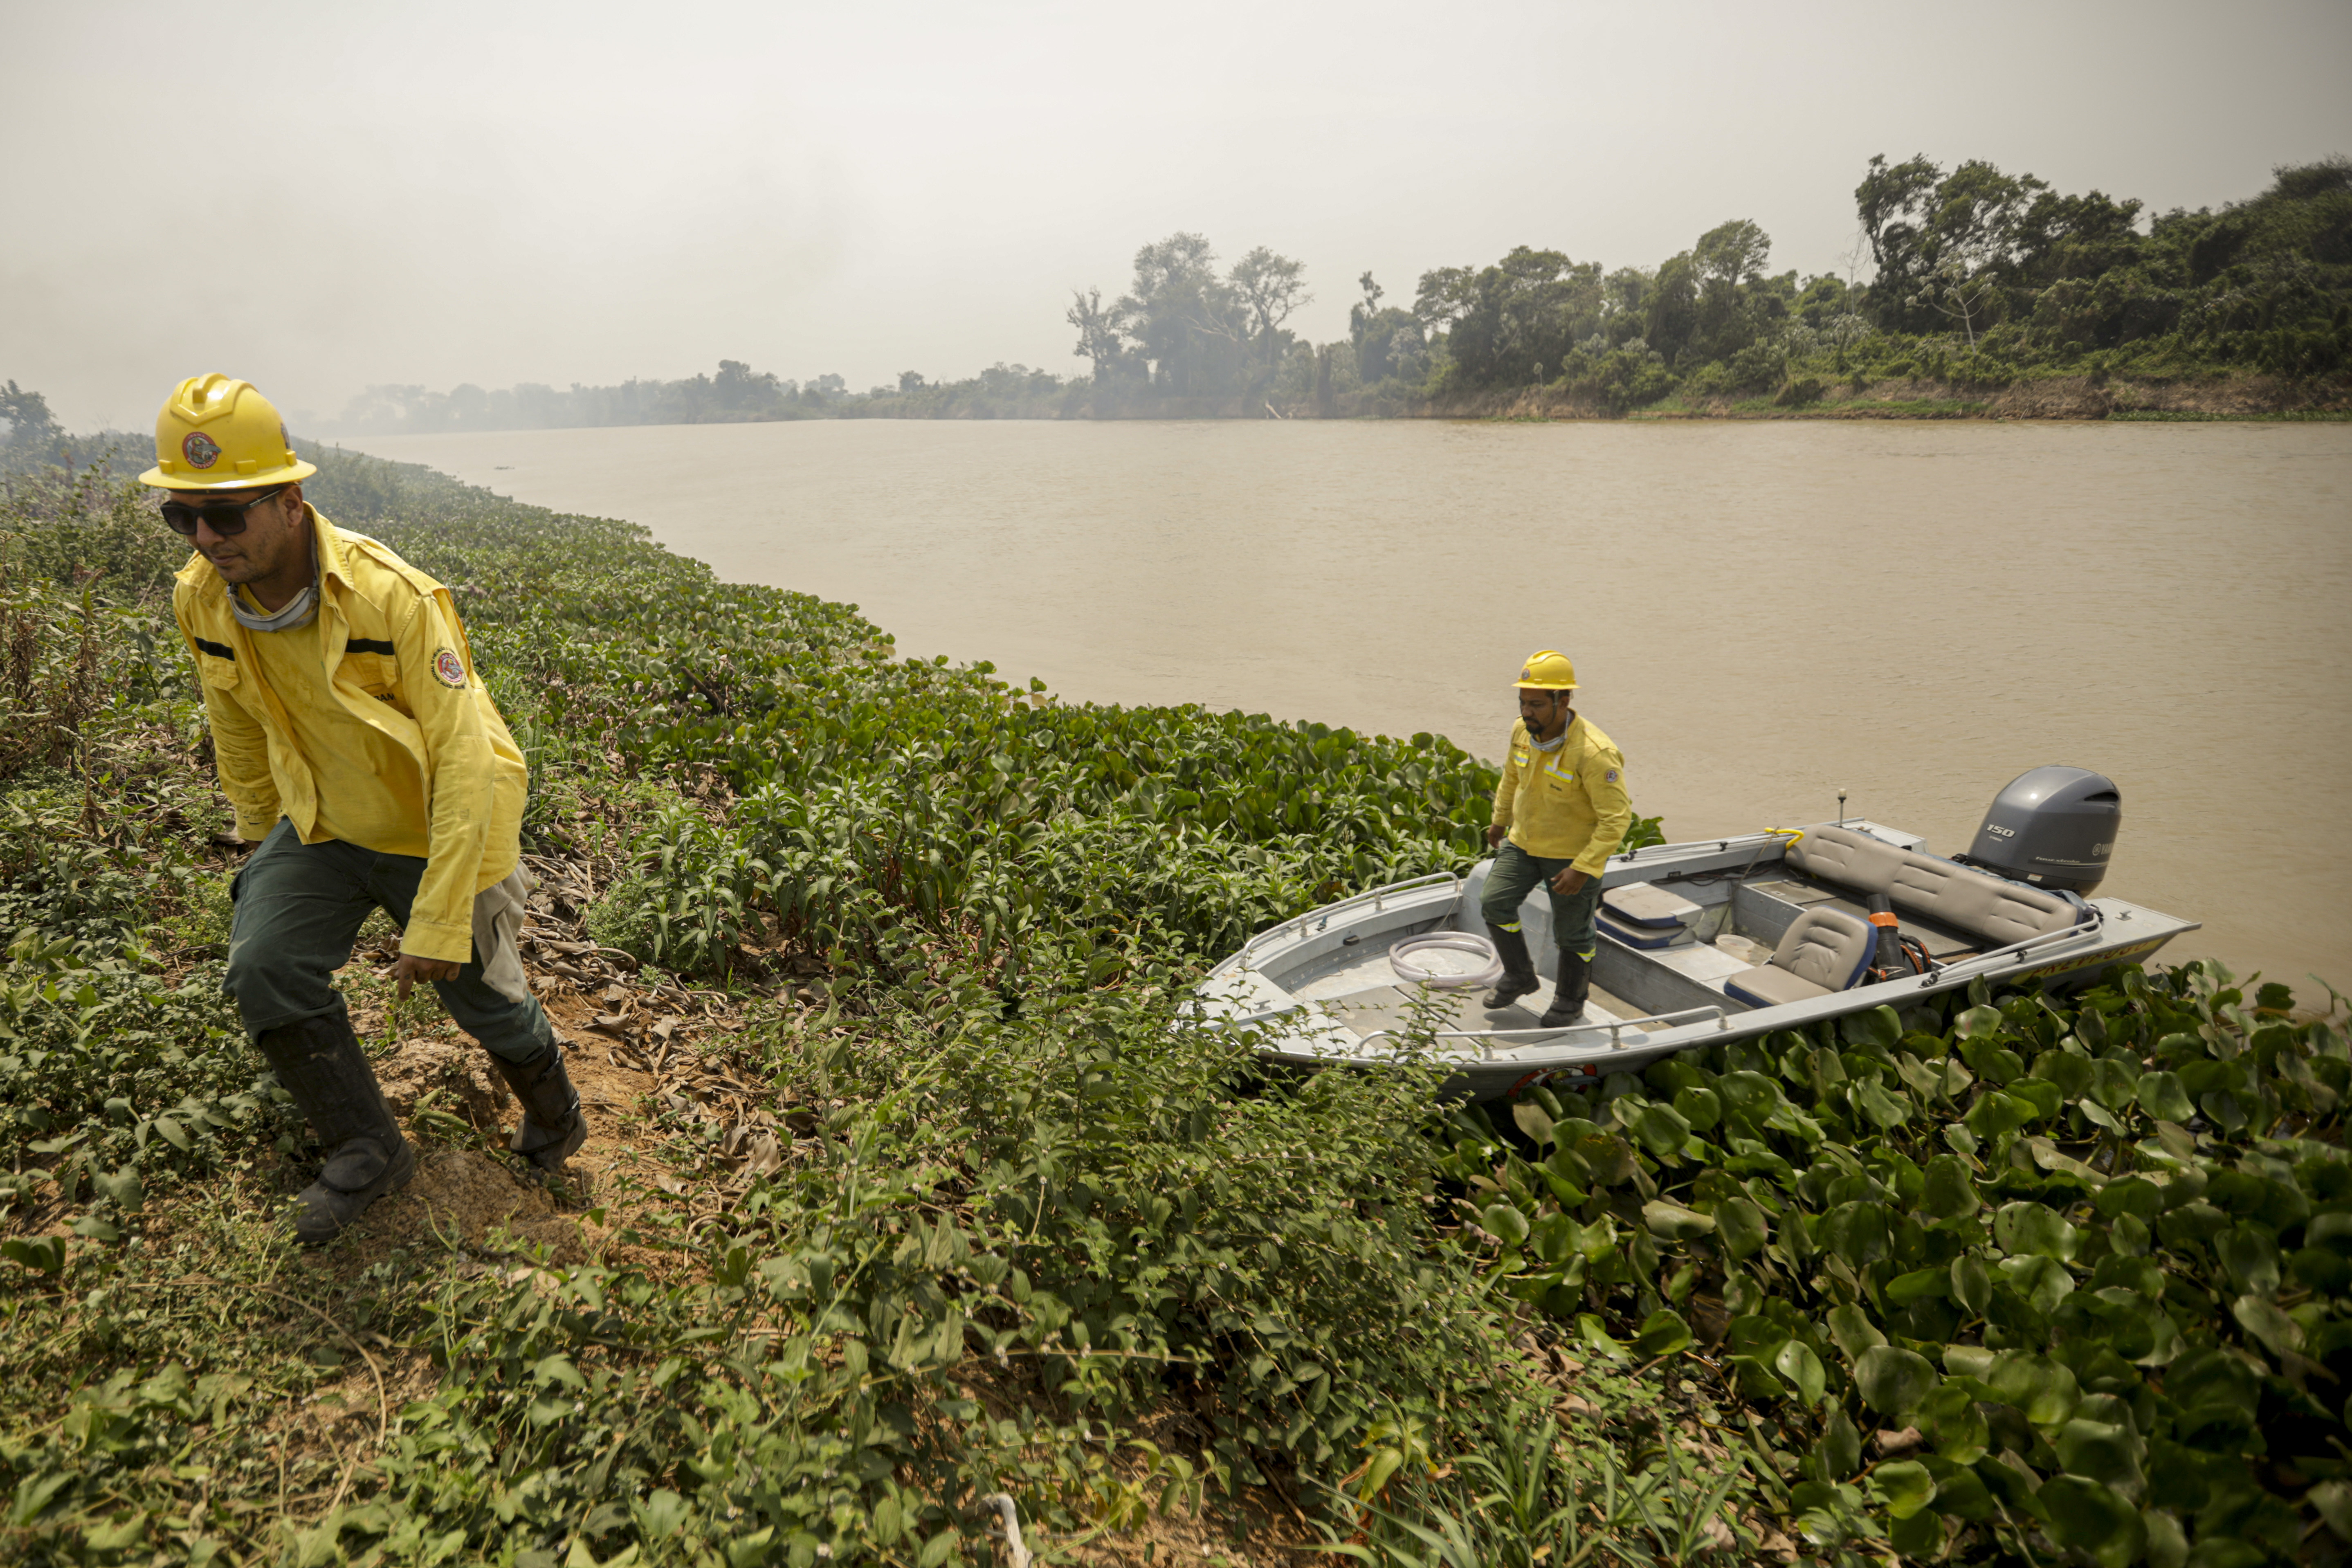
{"x":1417,"y":962}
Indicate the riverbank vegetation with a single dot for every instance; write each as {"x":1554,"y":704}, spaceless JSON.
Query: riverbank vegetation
{"x":1974,"y":289}
{"x":912,"y":1187}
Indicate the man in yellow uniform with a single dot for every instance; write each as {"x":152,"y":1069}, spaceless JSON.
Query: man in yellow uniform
{"x":357,"y":745}
{"x":1560,"y":811}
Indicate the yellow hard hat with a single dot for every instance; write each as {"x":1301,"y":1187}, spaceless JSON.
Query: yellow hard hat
{"x":216,"y":433}
{"x":1547,"y":670}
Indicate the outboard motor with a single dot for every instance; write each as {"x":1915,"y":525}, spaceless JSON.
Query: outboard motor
{"x":2055,"y":827}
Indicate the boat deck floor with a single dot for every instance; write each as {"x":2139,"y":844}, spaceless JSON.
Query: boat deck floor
{"x":1400,"y":1007}
{"x":1362,"y":991}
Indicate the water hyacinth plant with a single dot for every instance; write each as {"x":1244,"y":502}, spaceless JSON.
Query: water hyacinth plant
{"x":2085,"y":1271}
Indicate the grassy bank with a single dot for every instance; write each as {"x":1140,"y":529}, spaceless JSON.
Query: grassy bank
{"x":911,"y":1189}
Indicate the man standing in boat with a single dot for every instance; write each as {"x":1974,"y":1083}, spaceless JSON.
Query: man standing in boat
{"x":1560,"y":811}
{"x":362,"y":753}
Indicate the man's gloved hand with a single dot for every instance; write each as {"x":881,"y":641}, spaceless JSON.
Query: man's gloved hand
{"x":408,"y":969}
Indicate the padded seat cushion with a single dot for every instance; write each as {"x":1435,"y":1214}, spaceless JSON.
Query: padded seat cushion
{"x":1999,"y":910}
{"x":1667,"y":935}
{"x":1766,"y":986}
{"x":1994,"y":908}
{"x":1848,"y":858}
{"x":1822,"y":951}
{"x":1644,"y":904}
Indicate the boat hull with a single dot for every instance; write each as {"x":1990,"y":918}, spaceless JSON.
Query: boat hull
{"x":1315,"y":990}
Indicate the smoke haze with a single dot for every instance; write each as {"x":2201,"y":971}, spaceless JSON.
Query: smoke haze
{"x":319,"y":198}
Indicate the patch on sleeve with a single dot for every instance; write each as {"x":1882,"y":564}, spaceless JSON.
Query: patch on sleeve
{"x":1609,"y":777}
{"x":449,"y":670}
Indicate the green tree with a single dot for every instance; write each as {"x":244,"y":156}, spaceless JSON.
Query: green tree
{"x":1733,"y":312}
{"x":1842,"y":333}
{"x":1954,"y":290}
{"x":1102,"y":333}
{"x":1444,"y":297}
{"x":1190,"y":324}
{"x":1944,"y":245}
{"x":31,"y":426}
{"x":1529,"y":310}
{"x":1183,"y":331}
{"x":1670,"y":311}
{"x":1731,"y":254}
{"x":1388,"y":341}
{"x":1271,"y":287}
{"x":1625,"y":302}
{"x":1891,"y":201}
{"x":1821,"y":299}
{"x":739,"y":390}
{"x":2062,"y":237}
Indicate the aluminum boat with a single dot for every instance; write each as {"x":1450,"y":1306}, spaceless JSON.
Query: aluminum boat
{"x":1698,"y":943}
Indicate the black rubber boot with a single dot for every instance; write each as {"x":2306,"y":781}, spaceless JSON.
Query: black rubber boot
{"x":1568,"y":994}
{"x":319,"y":1062}
{"x":1518,"y":970}
{"x":552,"y":1126}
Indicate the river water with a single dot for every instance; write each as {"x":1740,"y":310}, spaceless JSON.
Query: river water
{"x":1760,"y":614}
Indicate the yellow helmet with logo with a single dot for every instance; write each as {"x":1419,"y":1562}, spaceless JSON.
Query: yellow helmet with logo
{"x":216,"y":433}
{"x":1547,"y":670}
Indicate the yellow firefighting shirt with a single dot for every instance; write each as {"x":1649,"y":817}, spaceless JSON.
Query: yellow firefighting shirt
{"x":372,"y":806}
{"x":1565,"y":804}
{"x":369,"y":726}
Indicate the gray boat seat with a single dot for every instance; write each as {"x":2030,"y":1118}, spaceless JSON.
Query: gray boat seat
{"x":1645,"y":916}
{"x":1822,"y":951}
{"x":1851,"y":860}
{"x":1672,"y":933}
{"x":1646,"y":904}
{"x":1962,"y":897}
{"x":1999,"y":910}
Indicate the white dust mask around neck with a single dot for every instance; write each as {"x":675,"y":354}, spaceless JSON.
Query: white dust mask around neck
{"x":299,"y":612}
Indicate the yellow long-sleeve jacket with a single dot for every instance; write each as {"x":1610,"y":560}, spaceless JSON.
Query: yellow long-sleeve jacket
{"x":419,"y":757}
{"x":1567,"y":804}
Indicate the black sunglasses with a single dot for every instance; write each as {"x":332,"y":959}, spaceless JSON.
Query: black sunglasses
{"x":225,"y":518}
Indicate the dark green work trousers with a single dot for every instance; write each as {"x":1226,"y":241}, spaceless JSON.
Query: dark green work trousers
{"x":299,"y":907}
{"x":1515,"y":876}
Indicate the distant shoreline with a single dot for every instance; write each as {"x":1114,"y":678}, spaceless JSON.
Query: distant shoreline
{"x":2228,"y":399}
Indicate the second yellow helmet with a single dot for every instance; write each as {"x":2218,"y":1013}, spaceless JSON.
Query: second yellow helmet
{"x":1547,"y":670}
{"x":218,"y":434}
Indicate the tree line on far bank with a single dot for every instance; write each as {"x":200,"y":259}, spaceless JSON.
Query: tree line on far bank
{"x":1976,"y":278}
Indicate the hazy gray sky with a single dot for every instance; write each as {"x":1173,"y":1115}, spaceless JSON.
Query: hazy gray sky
{"x":321,"y":196}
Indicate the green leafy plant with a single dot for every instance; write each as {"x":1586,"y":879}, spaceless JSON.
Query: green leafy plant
{"x":2085,"y":1258}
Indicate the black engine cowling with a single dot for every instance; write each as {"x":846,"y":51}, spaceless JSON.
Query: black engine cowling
{"x":2053,"y":827}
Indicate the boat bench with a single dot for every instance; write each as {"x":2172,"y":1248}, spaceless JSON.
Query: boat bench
{"x":1992,"y":908}
{"x":1645,"y":915}
{"x":1829,"y":950}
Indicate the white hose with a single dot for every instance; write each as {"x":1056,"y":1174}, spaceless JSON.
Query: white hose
{"x":1010,"y":1512}
{"x":1449,"y":975}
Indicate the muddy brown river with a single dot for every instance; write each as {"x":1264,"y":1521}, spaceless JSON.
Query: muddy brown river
{"x":1760,"y":614}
